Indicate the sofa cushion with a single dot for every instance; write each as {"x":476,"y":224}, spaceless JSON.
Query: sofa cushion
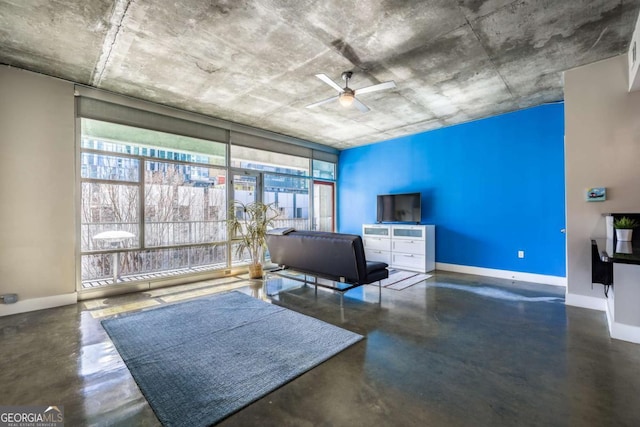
{"x":376,"y":271}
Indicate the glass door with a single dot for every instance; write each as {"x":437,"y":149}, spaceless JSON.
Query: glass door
{"x":245,"y":188}
{"x":290,"y":194}
{"x":323,"y":206}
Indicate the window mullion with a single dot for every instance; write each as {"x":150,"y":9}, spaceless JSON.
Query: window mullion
{"x":141,"y":205}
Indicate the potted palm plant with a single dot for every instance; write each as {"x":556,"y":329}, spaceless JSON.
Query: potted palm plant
{"x":248,"y":225}
{"x":624,"y":228}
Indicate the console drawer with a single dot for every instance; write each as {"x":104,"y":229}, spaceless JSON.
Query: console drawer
{"x":380,"y":256}
{"x":410,"y":232}
{"x":408,"y":261}
{"x":416,"y":247}
{"x":377,"y":244}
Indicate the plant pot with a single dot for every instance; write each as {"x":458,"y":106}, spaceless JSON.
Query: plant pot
{"x":624,"y":234}
{"x":255,"y":271}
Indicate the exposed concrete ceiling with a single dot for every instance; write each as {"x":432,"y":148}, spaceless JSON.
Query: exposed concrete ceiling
{"x":253,"y":62}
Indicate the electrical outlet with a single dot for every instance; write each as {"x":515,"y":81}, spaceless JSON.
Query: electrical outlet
{"x":520,"y":254}
{"x":9,"y":298}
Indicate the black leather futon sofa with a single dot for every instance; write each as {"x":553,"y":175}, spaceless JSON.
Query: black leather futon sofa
{"x":337,"y":257}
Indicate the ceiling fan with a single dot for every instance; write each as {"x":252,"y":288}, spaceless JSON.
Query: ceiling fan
{"x":347,"y":96}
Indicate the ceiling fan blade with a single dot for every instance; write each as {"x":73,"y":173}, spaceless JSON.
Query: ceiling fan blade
{"x":324,"y":101}
{"x":330,"y":82}
{"x":381,"y":86}
{"x":360,"y":106}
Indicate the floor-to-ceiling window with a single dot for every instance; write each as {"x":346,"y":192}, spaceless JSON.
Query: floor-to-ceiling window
{"x":151,"y":203}
{"x":285,"y":183}
{"x":155,"y":187}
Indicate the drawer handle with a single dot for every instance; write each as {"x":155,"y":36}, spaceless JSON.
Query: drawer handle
{"x":409,"y":256}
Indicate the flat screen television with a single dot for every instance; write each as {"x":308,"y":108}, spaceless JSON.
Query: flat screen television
{"x":399,"y":208}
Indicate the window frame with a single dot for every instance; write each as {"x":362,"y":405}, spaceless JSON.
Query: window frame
{"x":96,"y":104}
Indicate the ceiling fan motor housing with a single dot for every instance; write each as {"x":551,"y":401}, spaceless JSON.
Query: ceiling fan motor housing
{"x":346,"y":97}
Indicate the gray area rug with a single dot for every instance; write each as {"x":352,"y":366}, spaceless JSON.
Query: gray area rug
{"x":199,"y":361}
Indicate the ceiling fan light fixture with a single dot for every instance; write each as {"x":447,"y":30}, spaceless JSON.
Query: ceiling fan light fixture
{"x":346,"y":99}
{"x":347,"y":96}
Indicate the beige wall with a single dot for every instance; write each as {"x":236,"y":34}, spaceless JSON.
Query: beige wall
{"x":37,"y":184}
{"x":602,"y":149}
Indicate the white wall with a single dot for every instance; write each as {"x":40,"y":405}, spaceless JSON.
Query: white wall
{"x":602,"y":149}
{"x":37,"y":185}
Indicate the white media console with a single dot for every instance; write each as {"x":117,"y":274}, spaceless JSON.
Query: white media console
{"x":402,"y":246}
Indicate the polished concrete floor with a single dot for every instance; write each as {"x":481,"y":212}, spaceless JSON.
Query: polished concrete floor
{"x":455,"y":350}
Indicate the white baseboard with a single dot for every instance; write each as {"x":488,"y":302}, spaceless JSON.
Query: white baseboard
{"x":33,"y":304}
{"x":503,"y":274}
{"x":583,"y":301}
{"x":620,"y":331}
{"x":623,"y":332}
{"x":610,"y":308}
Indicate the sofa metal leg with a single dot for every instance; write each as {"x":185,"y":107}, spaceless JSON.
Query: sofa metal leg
{"x":379,"y":291}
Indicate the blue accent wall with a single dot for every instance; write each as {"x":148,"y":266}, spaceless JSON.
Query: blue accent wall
{"x":492,"y":187}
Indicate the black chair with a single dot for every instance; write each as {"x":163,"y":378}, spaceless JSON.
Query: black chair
{"x":601,"y":271}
